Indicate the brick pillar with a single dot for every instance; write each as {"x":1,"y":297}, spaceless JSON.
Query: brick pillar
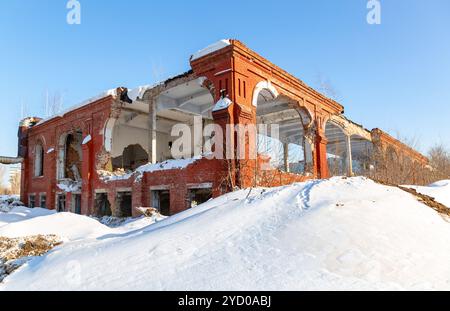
{"x":51,"y":171}
{"x":224,"y":118}
{"x":321,"y":155}
{"x":112,"y":201}
{"x":24,"y":182}
{"x":178,"y":198}
{"x":246,"y":116}
{"x":86,"y":176}
{"x":137,"y":197}
{"x":69,"y":208}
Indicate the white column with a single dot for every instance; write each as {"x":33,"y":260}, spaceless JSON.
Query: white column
{"x":286,"y":156}
{"x":198,"y":136}
{"x":349,"y":155}
{"x":308,"y":153}
{"x":152,"y":130}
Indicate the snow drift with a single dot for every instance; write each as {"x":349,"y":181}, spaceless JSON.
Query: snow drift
{"x":334,"y":234}
{"x":439,"y":191}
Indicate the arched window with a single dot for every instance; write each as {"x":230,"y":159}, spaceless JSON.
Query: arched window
{"x":70,"y":156}
{"x":39,"y":160}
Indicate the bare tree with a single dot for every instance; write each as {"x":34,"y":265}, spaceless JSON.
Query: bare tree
{"x":3,"y":175}
{"x":14,"y":181}
{"x":157,"y":71}
{"x":53,"y":103}
{"x":440,"y":162}
{"x":325,"y":87}
{"x":411,"y":141}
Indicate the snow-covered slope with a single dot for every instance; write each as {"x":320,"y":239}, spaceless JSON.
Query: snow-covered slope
{"x":439,"y":190}
{"x":332,"y":234}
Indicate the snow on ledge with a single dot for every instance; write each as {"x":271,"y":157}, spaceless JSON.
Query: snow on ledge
{"x":210,"y":49}
{"x":149,"y":168}
{"x":50,"y":150}
{"x":69,"y":187}
{"x":223,"y":103}
{"x":86,"y":139}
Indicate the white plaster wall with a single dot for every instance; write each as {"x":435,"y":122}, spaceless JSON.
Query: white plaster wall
{"x":124,"y":136}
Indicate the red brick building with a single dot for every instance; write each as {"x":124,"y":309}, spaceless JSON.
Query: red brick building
{"x":112,"y":153}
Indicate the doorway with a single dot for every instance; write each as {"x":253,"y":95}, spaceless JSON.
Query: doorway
{"x":61,"y":203}
{"x":77,"y":203}
{"x":161,"y":201}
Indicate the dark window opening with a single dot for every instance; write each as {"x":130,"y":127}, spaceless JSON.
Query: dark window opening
{"x":43,"y":203}
{"x":61,"y":203}
{"x":73,"y":156}
{"x":102,"y":205}
{"x":77,"y":203}
{"x":161,"y":201}
{"x":39,"y":161}
{"x":124,"y":202}
{"x":199,"y":196}
{"x":32,"y":201}
{"x":239,"y":87}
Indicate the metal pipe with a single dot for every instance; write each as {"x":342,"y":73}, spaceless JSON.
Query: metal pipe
{"x":10,"y":160}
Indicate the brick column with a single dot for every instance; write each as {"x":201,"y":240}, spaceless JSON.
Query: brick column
{"x":224,"y":118}
{"x":178,"y":198}
{"x":52,"y":178}
{"x":137,"y":195}
{"x":112,"y":201}
{"x":247,"y":167}
{"x":69,"y":208}
{"x":321,"y":155}
{"x":86,"y":175}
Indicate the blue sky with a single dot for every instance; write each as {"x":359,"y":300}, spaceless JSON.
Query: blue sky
{"x":395,"y":76}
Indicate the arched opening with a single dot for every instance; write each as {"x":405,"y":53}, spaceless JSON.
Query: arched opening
{"x":39,"y":160}
{"x":281,"y":125}
{"x":70,"y":156}
{"x":337,"y":153}
{"x":362,"y":151}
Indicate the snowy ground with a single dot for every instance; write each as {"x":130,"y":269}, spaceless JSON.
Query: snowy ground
{"x":320,"y":235}
{"x":439,"y":190}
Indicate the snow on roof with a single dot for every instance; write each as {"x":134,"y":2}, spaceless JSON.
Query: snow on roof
{"x":133,"y":94}
{"x":211,"y":48}
{"x":138,"y":92}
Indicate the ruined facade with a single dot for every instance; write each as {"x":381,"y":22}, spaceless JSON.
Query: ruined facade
{"x":112,"y":154}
